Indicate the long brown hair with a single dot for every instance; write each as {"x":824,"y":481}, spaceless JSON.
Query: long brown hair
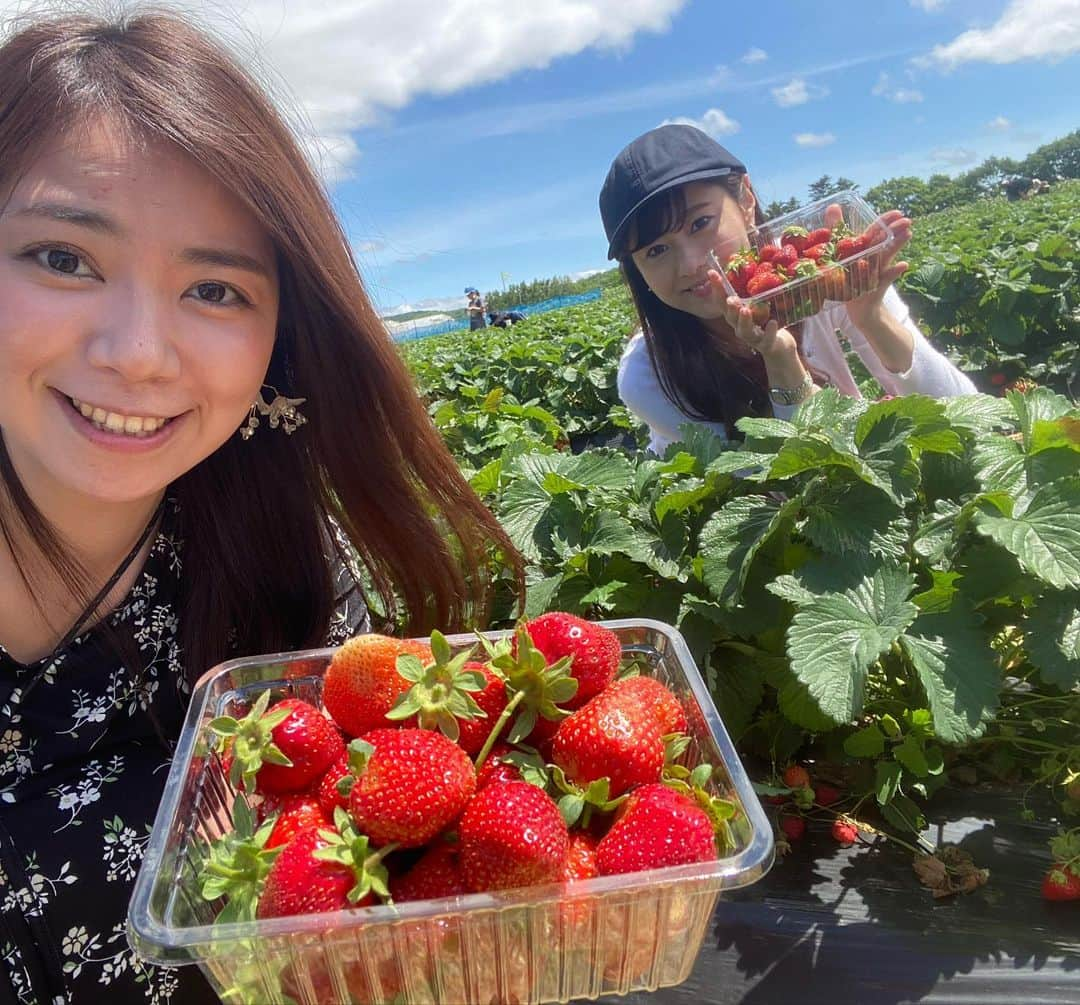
{"x":713,"y":378}
{"x":254,"y":516}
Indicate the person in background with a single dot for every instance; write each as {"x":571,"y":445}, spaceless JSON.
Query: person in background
{"x":475,"y":307}
{"x":207,"y":442}
{"x":670,"y":198}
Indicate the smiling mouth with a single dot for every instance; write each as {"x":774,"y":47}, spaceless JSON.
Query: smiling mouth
{"x":113,"y":422}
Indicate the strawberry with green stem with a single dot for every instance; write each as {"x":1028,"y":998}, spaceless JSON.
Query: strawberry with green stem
{"x":534,"y":688}
{"x":594,"y":651}
{"x":325,"y":870}
{"x":442,"y":693}
{"x":238,"y":864}
{"x":281,"y":749}
{"x":1062,"y":879}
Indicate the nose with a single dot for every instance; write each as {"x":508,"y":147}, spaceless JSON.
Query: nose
{"x":133,"y":337}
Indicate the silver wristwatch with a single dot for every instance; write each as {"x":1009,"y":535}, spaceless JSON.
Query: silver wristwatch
{"x":792,"y":395}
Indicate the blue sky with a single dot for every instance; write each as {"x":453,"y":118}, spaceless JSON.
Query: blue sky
{"x":464,"y":139}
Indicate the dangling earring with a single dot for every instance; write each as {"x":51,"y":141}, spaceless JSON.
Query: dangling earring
{"x":282,"y":412}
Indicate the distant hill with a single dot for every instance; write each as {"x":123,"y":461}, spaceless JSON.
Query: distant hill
{"x":456,"y":315}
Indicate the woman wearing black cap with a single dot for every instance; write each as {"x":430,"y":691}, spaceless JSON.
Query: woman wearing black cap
{"x":670,"y":198}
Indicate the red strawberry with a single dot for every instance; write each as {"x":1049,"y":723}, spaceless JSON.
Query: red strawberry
{"x":329,"y":795}
{"x":492,"y":700}
{"x":437,"y":873}
{"x":796,"y":237}
{"x":309,"y":740}
{"x":655,"y":827}
{"x":1061,"y":883}
{"x":297,"y":813}
{"x":613,"y":736}
{"x":581,"y":857}
{"x":665,"y":707}
{"x":786,"y":258}
{"x":740,"y":268}
{"x":594,"y":650}
{"x":998,"y":379}
{"x":820,"y":235}
{"x":764,"y":281}
{"x":580,"y":865}
{"x":281,"y":749}
{"x":816,"y":252}
{"x":319,"y":870}
{"x":411,"y":784}
{"x":512,"y":834}
{"x":846,"y":247}
{"x":844,"y":831}
{"x":796,"y":777}
{"x":793,"y":827}
{"x":494,"y":769}
{"x":362,"y":682}
{"x":768,"y":252}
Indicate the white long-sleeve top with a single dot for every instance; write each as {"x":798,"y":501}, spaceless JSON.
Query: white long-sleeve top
{"x":930,"y":373}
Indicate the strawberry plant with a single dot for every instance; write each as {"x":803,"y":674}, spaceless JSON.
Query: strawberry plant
{"x":891,"y":586}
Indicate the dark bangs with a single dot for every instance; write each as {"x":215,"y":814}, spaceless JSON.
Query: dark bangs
{"x":663,"y":213}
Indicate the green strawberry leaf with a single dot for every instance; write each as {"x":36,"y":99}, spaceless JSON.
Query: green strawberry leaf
{"x":1044,"y":534}
{"x":834,"y":639}
{"x":957,"y":670}
{"x":1052,"y":639}
{"x":866,"y":742}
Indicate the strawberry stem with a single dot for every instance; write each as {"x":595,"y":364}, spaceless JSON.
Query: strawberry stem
{"x":500,"y":723}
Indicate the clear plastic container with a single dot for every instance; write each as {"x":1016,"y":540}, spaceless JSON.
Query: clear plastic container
{"x":611,"y":935}
{"x":803,"y":297}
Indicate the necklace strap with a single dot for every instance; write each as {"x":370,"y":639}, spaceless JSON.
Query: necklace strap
{"x":99,"y":597}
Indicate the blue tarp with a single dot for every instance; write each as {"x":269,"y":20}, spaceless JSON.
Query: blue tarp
{"x":424,"y":331}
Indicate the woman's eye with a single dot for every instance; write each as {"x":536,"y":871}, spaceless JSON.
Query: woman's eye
{"x":656,"y":251}
{"x":61,"y":260}
{"x":218,"y":293}
{"x":700,"y":222}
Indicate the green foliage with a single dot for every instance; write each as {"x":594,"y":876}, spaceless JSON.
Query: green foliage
{"x":832,"y":573}
{"x":497,"y":391}
{"x":998,"y":285}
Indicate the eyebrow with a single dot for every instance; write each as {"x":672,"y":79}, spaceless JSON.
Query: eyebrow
{"x":100,"y":223}
{"x":88,"y":218}
{"x":225,"y":259}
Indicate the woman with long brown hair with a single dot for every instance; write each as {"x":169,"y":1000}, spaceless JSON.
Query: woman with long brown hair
{"x":207,"y":440}
{"x":673,"y":196}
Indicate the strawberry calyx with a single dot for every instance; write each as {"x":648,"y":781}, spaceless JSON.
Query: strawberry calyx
{"x":578,"y":803}
{"x":440,"y":694}
{"x":238,"y":865}
{"x":692,"y":783}
{"x":350,"y":848}
{"x":250,"y":742}
{"x":534,"y":688}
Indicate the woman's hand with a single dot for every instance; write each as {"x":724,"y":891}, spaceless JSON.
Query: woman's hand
{"x":770,"y":340}
{"x":866,"y":309}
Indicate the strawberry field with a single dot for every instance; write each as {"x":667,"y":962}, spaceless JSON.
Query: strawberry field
{"x":888,"y":591}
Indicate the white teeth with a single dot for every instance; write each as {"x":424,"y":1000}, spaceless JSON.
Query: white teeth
{"x":113,"y":422}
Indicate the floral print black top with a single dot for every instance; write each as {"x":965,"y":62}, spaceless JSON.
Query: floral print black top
{"x":82,"y":769}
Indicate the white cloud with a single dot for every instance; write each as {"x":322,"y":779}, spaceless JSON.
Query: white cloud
{"x":814,"y":139}
{"x":1001,"y":123}
{"x":798,"y":92}
{"x":884,"y":88}
{"x":928,"y":5}
{"x":1027,"y":29}
{"x":714,"y":122}
{"x":754,"y":55}
{"x":342,"y":65}
{"x":953,"y":156}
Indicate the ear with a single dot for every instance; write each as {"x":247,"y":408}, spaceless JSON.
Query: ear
{"x":747,"y":200}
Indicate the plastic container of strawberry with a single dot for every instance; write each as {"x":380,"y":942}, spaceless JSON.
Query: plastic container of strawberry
{"x":802,"y":297}
{"x":612,"y":935}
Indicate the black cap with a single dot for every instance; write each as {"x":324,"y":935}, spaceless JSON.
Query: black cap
{"x":656,"y":161}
